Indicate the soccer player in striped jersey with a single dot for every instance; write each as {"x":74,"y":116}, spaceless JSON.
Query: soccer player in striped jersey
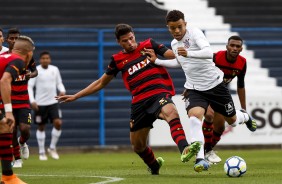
{"x":21,"y":106}
{"x":151,"y":88}
{"x":204,"y":81}
{"x":233,"y":65}
{"x":11,"y":66}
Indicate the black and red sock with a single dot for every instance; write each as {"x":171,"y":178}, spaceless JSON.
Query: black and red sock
{"x":178,"y":134}
{"x":16,"y":152}
{"x":208,"y":134}
{"x":149,"y":158}
{"x":24,"y":137}
{"x":6,"y":153}
{"x":215,"y":138}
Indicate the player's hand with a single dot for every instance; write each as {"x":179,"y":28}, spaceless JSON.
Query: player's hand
{"x":66,"y":98}
{"x":34,"y":106}
{"x":151,"y":55}
{"x":182,"y":51}
{"x":10,"y":121}
{"x":184,"y":94}
{"x":28,"y":76}
{"x":4,"y":127}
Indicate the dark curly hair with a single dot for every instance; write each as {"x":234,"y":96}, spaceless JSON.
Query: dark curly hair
{"x":174,"y":15}
{"x":122,"y":29}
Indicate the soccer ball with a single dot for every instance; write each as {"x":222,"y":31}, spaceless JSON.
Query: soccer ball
{"x":235,"y":166}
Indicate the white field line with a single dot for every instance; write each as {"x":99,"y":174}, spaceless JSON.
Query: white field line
{"x":109,"y":179}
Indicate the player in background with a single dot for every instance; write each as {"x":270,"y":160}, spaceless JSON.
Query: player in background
{"x":11,"y":65}
{"x":44,"y":104}
{"x":233,"y":65}
{"x":204,"y":81}
{"x":2,"y":48}
{"x":151,"y":88}
{"x":21,"y":106}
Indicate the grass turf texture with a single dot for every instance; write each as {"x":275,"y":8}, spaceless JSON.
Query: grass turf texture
{"x":263,"y":166}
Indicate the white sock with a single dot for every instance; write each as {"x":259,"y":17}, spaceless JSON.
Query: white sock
{"x":40,"y":135}
{"x":196,"y":131}
{"x":241,"y":118}
{"x":55,"y":137}
{"x":201,"y":153}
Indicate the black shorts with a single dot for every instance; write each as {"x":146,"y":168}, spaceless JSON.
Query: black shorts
{"x":46,"y":113}
{"x":218,"y":98}
{"x":144,"y":113}
{"x":22,"y":116}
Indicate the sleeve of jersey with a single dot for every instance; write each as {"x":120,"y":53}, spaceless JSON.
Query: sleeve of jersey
{"x":31,"y":84}
{"x":159,"y":49}
{"x":169,"y":63}
{"x":60,"y":85}
{"x":241,"y":77}
{"x":15,"y":68}
{"x":112,"y":68}
{"x":205,"y":51}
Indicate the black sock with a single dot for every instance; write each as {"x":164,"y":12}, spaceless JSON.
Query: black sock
{"x":8,"y":167}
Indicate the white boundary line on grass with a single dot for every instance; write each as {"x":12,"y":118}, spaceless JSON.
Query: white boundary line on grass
{"x":109,"y":179}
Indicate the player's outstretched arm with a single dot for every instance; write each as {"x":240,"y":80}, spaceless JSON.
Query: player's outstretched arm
{"x":92,"y":88}
{"x":242,"y":97}
{"x":169,"y":63}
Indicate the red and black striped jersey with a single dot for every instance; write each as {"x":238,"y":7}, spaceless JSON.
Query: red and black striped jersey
{"x":13,"y":64}
{"x":19,"y":96}
{"x":141,"y":77}
{"x":231,"y":69}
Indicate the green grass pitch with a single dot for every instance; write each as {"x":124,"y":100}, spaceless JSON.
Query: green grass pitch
{"x":263,"y":167}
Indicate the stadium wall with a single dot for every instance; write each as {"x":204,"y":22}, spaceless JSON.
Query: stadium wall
{"x":267,"y":111}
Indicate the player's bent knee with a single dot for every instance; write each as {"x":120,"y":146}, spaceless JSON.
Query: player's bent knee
{"x":169,"y":112}
{"x":230,"y":120}
{"x":138,"y":146}
{"x":209,"y":117}
{"x":24,"y":128}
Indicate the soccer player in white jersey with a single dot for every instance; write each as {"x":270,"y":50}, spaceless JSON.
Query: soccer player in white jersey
{"x":204,"y":80}
{"x":2,"y":48}
{"x":44,"y":104}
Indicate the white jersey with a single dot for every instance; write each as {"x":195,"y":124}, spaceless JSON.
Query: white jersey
{"x":46,"y":84}
{"x":200,"y":71}
{"x":4,"y":49}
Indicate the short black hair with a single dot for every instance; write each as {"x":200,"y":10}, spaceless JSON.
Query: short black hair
{"x":1,"y":30}
{"x":13,"y":31}
{"x":235,"y":38}
{"x":174,"y":15}
{"x":122,"y":29}
{"x":44,"y":53}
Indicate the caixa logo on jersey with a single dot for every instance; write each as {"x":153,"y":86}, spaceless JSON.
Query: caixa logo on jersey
{"x":265,"y":116}
{"x":21,"y":78}
{"x":138,"y":66}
